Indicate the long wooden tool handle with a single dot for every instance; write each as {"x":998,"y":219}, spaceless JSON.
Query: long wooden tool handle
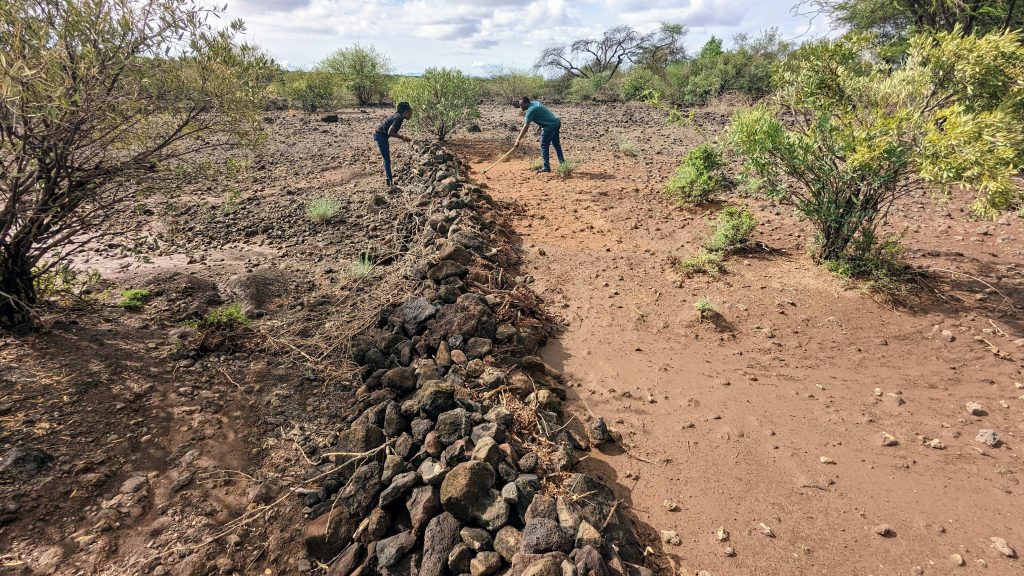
{"x":499,"y":160}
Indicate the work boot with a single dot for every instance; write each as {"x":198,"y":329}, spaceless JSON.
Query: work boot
{"x":543,"y":170}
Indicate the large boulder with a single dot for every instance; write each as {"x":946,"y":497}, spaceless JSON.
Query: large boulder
{"x":412,"y":316}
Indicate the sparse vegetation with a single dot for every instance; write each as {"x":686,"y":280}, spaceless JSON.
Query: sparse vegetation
{"x":733,"y":228}
{"x":362,"y":267}
{"x":443,"y":99}
{"x":879,"y":265}
{"x":323,"y":209}
{"x":705,"y":309}
{"x":705,"y":262}
{"x":509,"y":85}
{"x":537,"y":163}
{"x":699,"y":178}
{"x":226,"y":318}
{"x":629,"y":148}
{"x":565,"y":169}
{"x":133,"y":298}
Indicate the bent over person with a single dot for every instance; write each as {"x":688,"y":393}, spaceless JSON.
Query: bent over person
{"x":549,"y":125}
{"x":389,"y":129}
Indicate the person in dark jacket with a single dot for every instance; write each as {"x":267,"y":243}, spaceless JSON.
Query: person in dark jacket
{"x":549,"y":124}
{"x":389,"y":129}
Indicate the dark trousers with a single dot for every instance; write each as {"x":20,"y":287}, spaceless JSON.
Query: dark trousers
{"x":549,"y":137}
{"x":385,"y":151}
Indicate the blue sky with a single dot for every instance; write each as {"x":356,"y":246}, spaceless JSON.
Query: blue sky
{"x":475,"y":35}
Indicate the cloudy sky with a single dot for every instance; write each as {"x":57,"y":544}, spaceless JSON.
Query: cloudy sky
{"x":476,"y":34}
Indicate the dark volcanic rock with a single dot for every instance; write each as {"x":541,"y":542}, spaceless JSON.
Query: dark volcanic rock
{"x":401,"y":380}
{"x":434,"y":397}
{"x":438,"y":541}
{"x":544,"y":535}
{"x":423,"y":504}
{"x":391,"y":550}
{"x":465,"y":488}
{"x":413,"y":315}
{"x":21,"y":463}
{"x":453,"y":425}
{"x":447,"y":269}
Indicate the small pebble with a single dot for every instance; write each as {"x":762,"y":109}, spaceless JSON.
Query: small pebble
{"x":957,"y":559}
{"x":766,"y":530}
{"x":826,"y":460}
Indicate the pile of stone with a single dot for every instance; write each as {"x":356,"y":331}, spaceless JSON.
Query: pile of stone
{"x":462,"y":463}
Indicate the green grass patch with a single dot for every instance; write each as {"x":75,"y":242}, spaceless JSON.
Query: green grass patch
{"x":705,"y":309}
{"x":133,"y":298}
{"x":228,"y":317}
{"x":323,"y":209}
{"x":705,"y":262}
{"x":878,"y":265}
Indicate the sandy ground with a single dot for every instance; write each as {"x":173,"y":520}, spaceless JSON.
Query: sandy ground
{"x":730,"y":421}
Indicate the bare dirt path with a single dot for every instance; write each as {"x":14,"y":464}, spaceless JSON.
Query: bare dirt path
{"x":731,"y":421}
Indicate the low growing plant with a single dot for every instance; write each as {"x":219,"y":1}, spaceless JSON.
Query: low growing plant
{"x":228,"y":317}
{"x":705,"y":309}
{"x":565,"y":169}
{"x":733,"y":228}
{"x":133,"y":298}
{"x":879,"y":264}
{"x":700,"y":176}
{"x":629,"y":148}
{"x":705,"y":262}
{"x":323,"y":209}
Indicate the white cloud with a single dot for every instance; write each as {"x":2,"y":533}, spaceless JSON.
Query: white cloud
{"x":421,"y":33}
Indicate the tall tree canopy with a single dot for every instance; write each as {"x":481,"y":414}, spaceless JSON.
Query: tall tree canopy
{"x":618,"y":47}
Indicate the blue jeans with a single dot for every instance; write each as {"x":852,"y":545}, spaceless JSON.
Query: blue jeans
{"x":385,"y":151}
{"x":549,"y":137}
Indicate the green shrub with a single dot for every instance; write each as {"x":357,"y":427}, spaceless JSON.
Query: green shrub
{"x":442,"y":100}
{"x":322,"y":209}
{"x":565,"y":169}
{"x":733,"y":228}
{"x":133,"y":299}
{"x":586,"y":89}
{"x":311,"y":91}
{"x":705,"y":309}
{"x":638,"y":82}
{"x":629,"y":148}
{"x":950,"y":116}
{"x":509,"y":85}
{"x":700,"y":176}
{"x":228,"y":317}
{"x":705,"y":262}
{"x":361,"y":70}
{"x":880,"y":265}
{"x":746,"y":69}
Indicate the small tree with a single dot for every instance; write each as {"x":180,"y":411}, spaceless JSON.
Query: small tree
{"x":442,"y":100}
{"x":857,"y":133}
{"x":101,"y":100}
{"x":363,"y":71}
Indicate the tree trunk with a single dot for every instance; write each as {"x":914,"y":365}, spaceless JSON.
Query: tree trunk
{"x":17,"y":291}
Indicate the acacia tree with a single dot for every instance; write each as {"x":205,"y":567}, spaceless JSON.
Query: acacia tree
{"x":100,"y":101}
{"x":846,"y":135}
{"x":618,"y":47}
{"x":363,"y":71}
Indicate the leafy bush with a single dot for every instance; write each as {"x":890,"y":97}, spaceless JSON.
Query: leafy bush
{"x":322,"y":209}
{"x":629,"y":148}
{"x":745,"y":69}
{"x":639,"y":82}
{"x":586,"y":89}
{"x":705,"y":262}
{"x":565,"y":169}
{"x":227,"y":318}
{"x":699,"y":177}
{"x":311,"y":91}
{"x":133,"y":298}
{"x":362,"y":71}
{"x":442,"y":100}
{"x":733,"y":228}
{"x":509,"y":85}
{"x":861,"y":131}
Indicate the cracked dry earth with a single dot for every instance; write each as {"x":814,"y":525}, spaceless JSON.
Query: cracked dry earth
{"x":773,"y":418}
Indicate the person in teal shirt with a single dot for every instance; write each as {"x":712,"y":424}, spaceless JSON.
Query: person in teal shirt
{"x":549,"y":125}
